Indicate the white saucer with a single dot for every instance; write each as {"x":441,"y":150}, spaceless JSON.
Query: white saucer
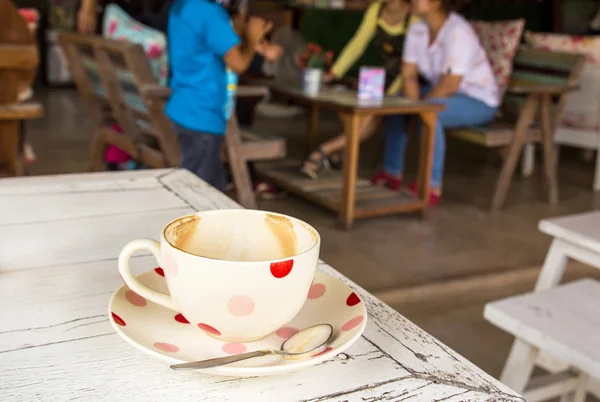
{"x":165,"y":334}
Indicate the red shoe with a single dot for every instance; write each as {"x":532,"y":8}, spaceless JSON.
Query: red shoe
{"x":382,"y":178}
{"x":433,"y":197}
{"x":266,"y":191}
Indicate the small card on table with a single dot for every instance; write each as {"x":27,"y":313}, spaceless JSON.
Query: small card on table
{"x":371,"y":83}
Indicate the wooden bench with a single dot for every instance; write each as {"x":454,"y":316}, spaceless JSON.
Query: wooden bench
{"x":18,"y":64}
{"x":563,"y":321}
{"x":563,"y":335}
{"x":540,"y":79}
{"x":117,"y":85}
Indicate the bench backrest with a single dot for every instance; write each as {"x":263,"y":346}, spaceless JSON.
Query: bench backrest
{"x":109,"y":75}
{"x":534,"y":66}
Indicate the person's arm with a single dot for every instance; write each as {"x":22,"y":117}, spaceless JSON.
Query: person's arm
{"x":447,"y":87}
{"x":410,"y":79}
{"x":239,"y":57}
{"x":410,"y":56}
{"x":460,"y":52}
{"x":357,"y":45}
{"x":270,"y":51}
{"x":86,"y":17}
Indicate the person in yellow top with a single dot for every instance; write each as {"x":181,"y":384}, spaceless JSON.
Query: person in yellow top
{"x":385,"y":23}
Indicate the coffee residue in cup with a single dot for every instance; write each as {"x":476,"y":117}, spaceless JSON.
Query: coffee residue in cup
{"x":283,"y":230}
{"x":180,"y":232}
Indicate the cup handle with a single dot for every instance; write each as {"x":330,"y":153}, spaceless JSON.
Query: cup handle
{"x":130,"y":248}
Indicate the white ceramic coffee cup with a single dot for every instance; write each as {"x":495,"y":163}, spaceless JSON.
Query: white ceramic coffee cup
{"x":239,"y":275}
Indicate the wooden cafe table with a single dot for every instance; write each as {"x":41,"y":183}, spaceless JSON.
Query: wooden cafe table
{"x":356,"y":198}
{"x":60,"y":240}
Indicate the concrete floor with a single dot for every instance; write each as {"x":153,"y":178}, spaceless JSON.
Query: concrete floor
{"x":439,"y":272}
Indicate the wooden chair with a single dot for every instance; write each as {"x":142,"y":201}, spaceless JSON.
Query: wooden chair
{"x":18,"y":64}
{"x":540,"y":79}
{"x":109,"y":75}
{"x":118,"y":87}
{"x":556,"y":327}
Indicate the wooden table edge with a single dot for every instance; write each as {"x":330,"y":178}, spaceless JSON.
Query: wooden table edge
{"x":421,"y":107}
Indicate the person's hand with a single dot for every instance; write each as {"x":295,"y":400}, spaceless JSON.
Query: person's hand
{"x":328,"y":77}
{"x":256,"y":29}
{"x":86,"y":19}
{"x":272,"y":52}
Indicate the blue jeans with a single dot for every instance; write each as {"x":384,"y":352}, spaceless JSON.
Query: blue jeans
{"x":201,"y":155}
{"x":461,"y":110}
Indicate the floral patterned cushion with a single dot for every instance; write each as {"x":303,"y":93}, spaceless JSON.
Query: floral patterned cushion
{"x":500,"y":41}
{"x":581,"y":111}
{"x":31,"y":17}
{"x":120,"y":26}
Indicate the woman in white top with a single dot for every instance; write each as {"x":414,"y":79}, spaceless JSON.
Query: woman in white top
{"x":444,"y":50}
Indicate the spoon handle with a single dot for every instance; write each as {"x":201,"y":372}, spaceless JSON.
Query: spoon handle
{"x":220,"y":361}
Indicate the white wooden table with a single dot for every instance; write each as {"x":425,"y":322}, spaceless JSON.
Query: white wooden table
{"x":59,"y":241}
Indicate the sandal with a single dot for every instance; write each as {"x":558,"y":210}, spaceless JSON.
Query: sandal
{"x":381,"y":178}
{"x":319,"y":164}
{"x":336,"y":160}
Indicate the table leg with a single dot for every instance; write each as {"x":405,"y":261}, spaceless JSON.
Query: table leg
{"x":553,"y":268}
{"x":550,"y":166}
{"x":581,"y":389}
{"x":514,"y":152}
{"x":313,"y":128}
{"x":519,"y":365}
{"x":97,"y":148}
{"x":426,"y":157}
{"x":346,"y":213}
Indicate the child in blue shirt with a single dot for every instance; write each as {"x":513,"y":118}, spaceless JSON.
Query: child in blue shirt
{"x":202,"y":45}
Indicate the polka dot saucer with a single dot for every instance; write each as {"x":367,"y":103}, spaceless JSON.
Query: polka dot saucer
{"x":167,"y":335}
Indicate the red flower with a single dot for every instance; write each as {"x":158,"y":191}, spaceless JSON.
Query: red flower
{"x":329,"y":57}
{"x":29,"y":14}
{"x":317,"y":49}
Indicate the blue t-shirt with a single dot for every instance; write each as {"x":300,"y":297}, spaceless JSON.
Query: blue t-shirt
{"x":200,"y":33}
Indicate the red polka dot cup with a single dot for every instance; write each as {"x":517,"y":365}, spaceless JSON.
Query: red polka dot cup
{"x":238,"y":275}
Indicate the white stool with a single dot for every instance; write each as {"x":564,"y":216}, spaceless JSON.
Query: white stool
{"x":564,"y":321}
{"x":576,"y":237}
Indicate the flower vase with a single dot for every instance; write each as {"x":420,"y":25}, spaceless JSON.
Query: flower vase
{"x":311,"y":81}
